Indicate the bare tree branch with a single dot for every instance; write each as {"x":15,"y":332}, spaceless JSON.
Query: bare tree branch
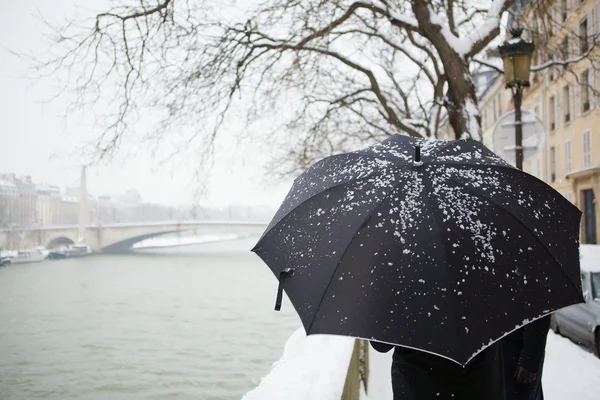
{"x":333,"y":74}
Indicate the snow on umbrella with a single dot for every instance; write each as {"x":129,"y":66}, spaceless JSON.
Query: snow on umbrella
{"x":439,"y":246}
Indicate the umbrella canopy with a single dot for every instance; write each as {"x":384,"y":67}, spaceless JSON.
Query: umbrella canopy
{"x":439,"y":246}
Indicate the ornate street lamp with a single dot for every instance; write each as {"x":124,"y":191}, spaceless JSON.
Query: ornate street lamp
{"x":516,"y":54}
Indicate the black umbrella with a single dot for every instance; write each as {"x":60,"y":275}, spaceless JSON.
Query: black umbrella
{"x":439,"y":246}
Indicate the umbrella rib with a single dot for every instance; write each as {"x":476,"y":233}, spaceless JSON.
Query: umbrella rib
{"x":537,"y":238}
{"x":363,"y":222}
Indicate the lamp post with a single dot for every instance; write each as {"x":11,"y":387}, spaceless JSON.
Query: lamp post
{"x":516,"y":55}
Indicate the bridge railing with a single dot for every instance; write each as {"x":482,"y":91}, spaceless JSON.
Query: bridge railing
{"x":135,"y":224}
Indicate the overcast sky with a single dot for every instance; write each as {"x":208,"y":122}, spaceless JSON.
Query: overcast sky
{"x":36,"y":141}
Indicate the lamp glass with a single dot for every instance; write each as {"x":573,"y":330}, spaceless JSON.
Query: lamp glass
{"x":509,"y":68}
{"x":522,"y":67}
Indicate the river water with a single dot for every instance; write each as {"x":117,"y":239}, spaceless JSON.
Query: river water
{"x":194,"y":322}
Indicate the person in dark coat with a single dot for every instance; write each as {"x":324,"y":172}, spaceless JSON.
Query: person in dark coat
{"x":417,"y":375}
{"x":524,"y":352}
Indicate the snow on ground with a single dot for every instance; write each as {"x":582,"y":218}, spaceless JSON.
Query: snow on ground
{"x":570,"y":372}
{"x":380,"y":379}
{"x":312,"y":367}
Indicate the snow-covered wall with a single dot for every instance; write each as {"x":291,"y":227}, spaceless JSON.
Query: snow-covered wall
{"x":312,"y":367}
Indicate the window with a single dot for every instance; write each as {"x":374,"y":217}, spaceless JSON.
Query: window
{"x":552,"y":114}
{"x":564,"y":48}
{"x":551,"y":70}
{"x":583,"y":35}
{"x":539,"y":111}
{"x":564,"y":10}
{"x":585,"y":90}
{"x":566,"y":102}
{"x":595,"y":285}
{"x":552,"y":164}
{"x":587,"y":148}
{"x":568,"y":162}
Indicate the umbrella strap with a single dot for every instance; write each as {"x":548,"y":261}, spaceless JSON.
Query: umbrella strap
{"x":283,"y":275}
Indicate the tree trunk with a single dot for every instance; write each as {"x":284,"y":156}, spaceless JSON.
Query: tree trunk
{"x":461,"y":101}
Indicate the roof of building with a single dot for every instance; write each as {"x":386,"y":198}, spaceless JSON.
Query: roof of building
{"x":7,"y":184}
{"x":70,"y":199}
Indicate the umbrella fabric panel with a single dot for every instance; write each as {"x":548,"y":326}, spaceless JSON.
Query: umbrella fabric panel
{"x":462,"y":152}
{"x":313,"y":237}
{"x":506,"y":269}
{"x":331,"y":172}
{"x":534,"y":204}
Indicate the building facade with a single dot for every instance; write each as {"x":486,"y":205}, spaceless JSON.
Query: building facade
{"x":566,"y":100}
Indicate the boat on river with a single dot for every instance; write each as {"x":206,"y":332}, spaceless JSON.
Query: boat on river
{"x":76,"y":250}
{"x":27,"y":256}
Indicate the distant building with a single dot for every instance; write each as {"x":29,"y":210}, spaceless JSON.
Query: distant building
{"x":9,"y":201}
{"x":132,"y":196}
{"x":25,"y":204}
{"x":567,"y":103}
{"x":48,"y":204}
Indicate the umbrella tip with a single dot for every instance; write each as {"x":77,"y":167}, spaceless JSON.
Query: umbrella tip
{"x":417,"y":162}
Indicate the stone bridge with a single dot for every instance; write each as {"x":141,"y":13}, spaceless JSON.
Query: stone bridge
{"x":114,"y":238}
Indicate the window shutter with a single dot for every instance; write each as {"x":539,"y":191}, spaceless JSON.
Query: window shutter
{"x":577,"y":41}
{"x":578,"y":98}
{"x":548,"y":165}
{"x":570,"y":44}
{"x":590,"y":30}
{"x":571,"y":105}
{"x":547,"y":114}
{"x":557,"y":107}
{"x":576,"y":5}
{"x":591,"y":88}
{"x":597,"y":12}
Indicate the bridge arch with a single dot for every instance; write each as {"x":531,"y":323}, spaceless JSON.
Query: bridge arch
{"x":127,"y":244}
{"x":61,"y":241}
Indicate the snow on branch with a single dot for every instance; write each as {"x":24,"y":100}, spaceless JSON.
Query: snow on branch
{"x":564,"y":63}
{"x":404,"y":20}
{"x":477,"y":39}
